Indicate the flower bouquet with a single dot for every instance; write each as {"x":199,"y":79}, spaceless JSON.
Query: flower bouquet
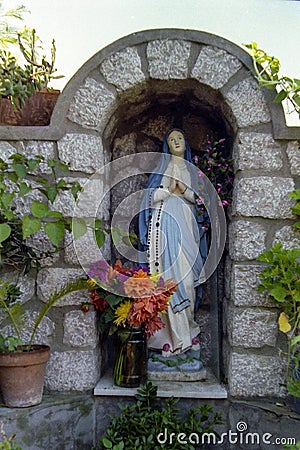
{"x":130,"y":302}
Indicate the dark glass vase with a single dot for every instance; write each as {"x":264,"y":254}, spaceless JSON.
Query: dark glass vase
{"x":131,"y":360}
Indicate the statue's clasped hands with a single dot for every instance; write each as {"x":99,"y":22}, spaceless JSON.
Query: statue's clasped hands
{"x":176,"y":186}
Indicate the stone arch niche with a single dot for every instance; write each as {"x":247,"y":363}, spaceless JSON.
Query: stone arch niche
{"x":122,"y":101}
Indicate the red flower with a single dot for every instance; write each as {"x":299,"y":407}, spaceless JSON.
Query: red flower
{"x":99,"y":303}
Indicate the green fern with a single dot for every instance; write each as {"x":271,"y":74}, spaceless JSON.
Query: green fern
{"x":73,"y":286}
{"x":14,"y":311}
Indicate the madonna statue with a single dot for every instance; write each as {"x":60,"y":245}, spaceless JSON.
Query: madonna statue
{"x":171,"y":234}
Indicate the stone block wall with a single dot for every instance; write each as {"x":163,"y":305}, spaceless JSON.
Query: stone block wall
{"x":121,"y":102}
{"x":261,"y":216}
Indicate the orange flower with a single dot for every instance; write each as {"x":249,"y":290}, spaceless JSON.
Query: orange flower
{"x":167,"y":288}
{"x":119,"y":268}
{"x":141,"y":311}
{"x":138,"y":287}
{"x":153,"y":325}
{"x":161,"y":302}
{"x":140,"y":274}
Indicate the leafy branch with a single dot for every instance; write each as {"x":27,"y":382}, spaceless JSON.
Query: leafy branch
{"x":18,"y":179}
{"x":267,"y":70}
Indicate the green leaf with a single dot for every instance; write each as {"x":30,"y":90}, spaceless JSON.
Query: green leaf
{"x":280,"y":96}
{"x":279,"y":293}
{"x":30,"y":226}
{"x":5,"y":231}
{"x":296,"y":99}
{"x":116,"y":235}
{"x":20,"y":170}
{"x":54,"y":214}
{"x":100,"y":237}
{"x":295,"y":340}
{"x":51,"y":162}
{"x":6,"y":199}
{"x":33,"y":164}
{"x":295,"y":194}
{"x":63,"y":167}
{"x":24,"y":189}
{"x":107,"y":443}
{"x":296,"y":209}
{"x":296,"y":225}
{"x":39,"y":209}
{"x":79,"y":227}
{"x":51,"y":193}
{"x":12,"y":176}
{"x":55,"y":232}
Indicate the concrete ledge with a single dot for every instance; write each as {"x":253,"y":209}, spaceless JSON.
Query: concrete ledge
{"x":208,"y":389}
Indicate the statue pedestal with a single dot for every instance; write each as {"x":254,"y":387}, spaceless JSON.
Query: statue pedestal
{"x":184,"y":367}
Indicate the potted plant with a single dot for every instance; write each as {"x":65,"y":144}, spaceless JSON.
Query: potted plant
{"x":281,"y":280}
{"x":22,"y":365}
{"x":21,"y":180}
{"x":21,"y":81}
{"x":129,"y":301}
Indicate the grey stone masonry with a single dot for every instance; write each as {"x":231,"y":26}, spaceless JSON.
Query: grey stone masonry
{"x":84,"y":250}
{"x":246,"y":240}
{"x":244,"y":282}
{"x":52,"y":279}
{"x":44,"y":334}
{"x":25,"y":282}
{"x":6,"y":150}
{"x":254,"y":151}
{"x":80,"y":329}
{"x":41,"y":148}
{"x":288,"y":236}
{"x":252,"y":327}
{"x":256,"y":375}
{"x":123,"y":69}
{"x":73,"y":370}
{"x":293,"y":152}
{"x":92,"y":105}
{"x":91,"y":202}
{"x":248,"y":103}
{"x":215,"y":67}
{"x":82,"y":152}
{"x":264,"y":197}
{"x":168,"y":59}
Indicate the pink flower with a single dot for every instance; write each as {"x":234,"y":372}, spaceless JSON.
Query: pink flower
{"x":166,"y":347}
{"x":195,"y":341}
{"x":221,"y":141}
{"x":196,"y":159}
{"x":199,"y":201}
{"x":200,"y":174}
{"x":225,"y":202}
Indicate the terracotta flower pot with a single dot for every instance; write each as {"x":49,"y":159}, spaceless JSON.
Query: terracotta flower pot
{"x":36,"y":111}
{"x":22,"y":376}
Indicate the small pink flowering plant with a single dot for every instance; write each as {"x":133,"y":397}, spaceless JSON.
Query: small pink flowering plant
{"x":218,"y":169}
{"x":214,"y":163}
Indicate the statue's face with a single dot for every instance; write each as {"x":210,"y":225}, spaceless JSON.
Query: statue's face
{"x":176,"y":143}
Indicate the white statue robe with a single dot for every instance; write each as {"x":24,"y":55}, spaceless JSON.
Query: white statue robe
{"x":180,"y":328}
